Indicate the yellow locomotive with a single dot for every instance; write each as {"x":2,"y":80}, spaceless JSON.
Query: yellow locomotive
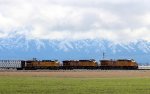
{"x":80,"y":64}
{"x":44,"y":64}
{"x":118,"y":64}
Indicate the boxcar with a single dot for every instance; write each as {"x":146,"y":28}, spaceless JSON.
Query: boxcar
{"x":12,"y":64}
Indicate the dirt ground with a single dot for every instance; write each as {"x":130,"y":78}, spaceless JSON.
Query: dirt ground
{"x":80,"y":74}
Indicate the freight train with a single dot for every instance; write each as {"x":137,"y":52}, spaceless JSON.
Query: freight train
{"x":69,"y":64}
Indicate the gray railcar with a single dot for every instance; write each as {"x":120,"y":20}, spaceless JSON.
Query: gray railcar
{"x":11,"y":64}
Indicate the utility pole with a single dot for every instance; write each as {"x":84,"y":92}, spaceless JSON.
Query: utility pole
{"x":103,"y":55}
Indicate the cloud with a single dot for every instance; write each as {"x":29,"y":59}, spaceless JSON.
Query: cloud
{"x":71,"y":20}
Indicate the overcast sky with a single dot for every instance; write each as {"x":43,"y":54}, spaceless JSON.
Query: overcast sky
{"x":118,"y":21}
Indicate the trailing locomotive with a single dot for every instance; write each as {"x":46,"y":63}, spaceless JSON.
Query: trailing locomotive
{"x":68,"y":64}
{"x":118,"y":64}
{"x":80,"y":64}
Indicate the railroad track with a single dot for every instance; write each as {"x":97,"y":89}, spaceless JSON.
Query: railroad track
{"x":75,"y":70}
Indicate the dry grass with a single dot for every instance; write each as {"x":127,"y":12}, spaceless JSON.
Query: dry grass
{"x":81,"y":74}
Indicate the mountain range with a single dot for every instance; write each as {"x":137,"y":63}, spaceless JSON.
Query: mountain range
{"x":22,"y":48}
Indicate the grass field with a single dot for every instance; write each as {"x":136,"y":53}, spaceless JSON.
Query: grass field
{"x":52,"y":85}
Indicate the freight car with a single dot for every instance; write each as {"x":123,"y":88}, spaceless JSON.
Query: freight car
{"x":12,"y":64}
{"x":44,"y":64}
{"x":80,"y":64}
{"x":118,"y":64}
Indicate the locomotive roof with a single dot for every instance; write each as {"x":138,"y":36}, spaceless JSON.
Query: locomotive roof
{"x":70,"y":60}
{"x":49,"y":60}
{"x":87,"y":60}
{"x":117,"y":60}
{"x":124,"y":60}
{"x":79,"y":60}
{"x":106,"y":60}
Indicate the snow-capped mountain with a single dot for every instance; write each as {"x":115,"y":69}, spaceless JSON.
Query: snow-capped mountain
{"x":21,"y":48}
